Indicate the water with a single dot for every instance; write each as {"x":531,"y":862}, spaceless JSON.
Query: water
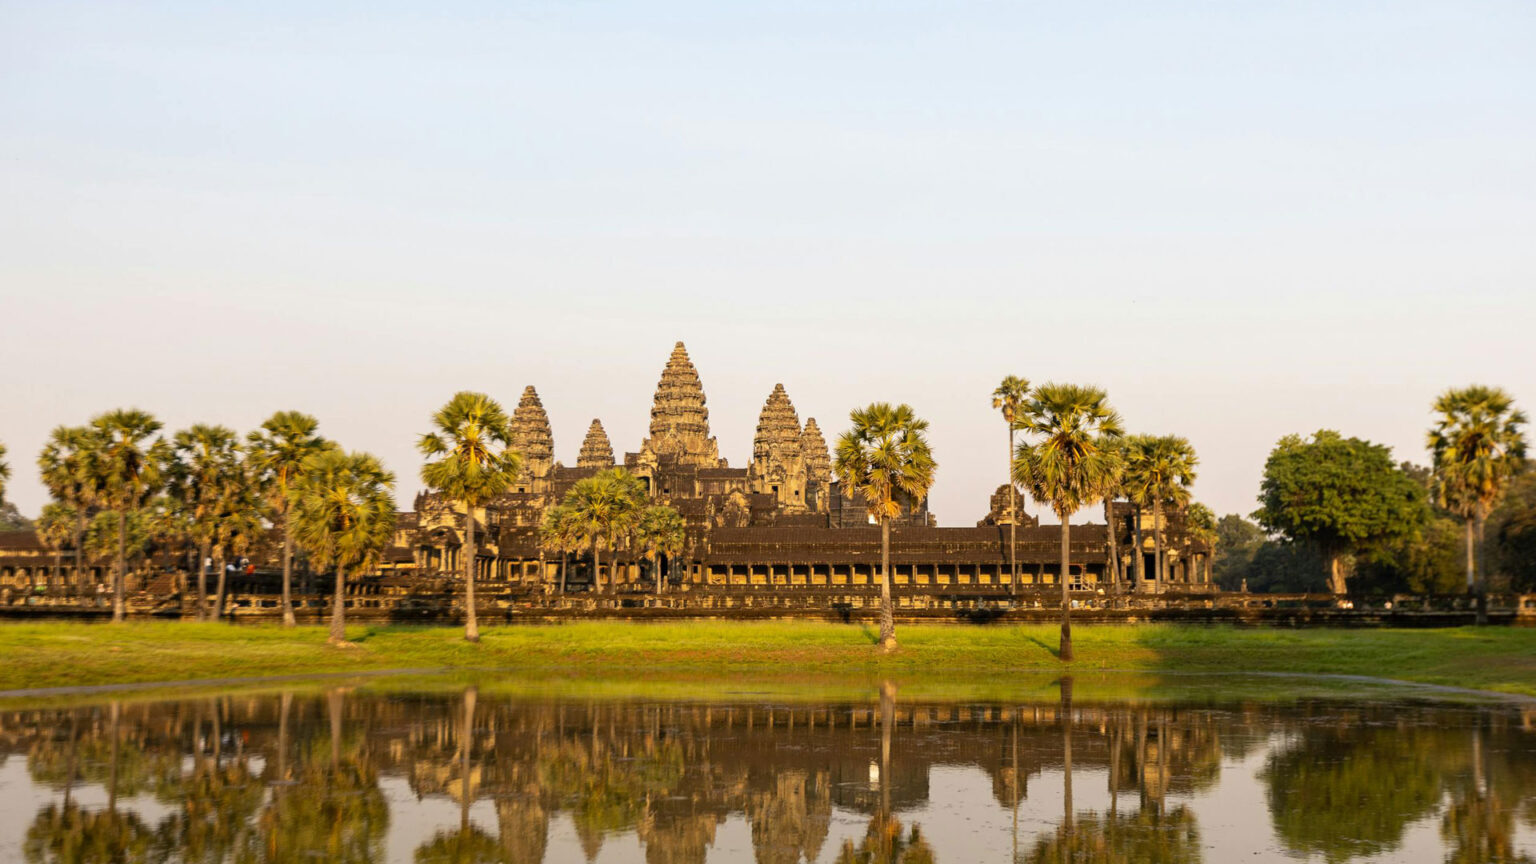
{"x":1096,"y":771}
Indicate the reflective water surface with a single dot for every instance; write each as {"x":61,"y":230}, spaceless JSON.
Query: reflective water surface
{"x":461,"y":774}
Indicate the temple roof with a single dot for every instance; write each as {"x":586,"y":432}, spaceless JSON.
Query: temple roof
{"x":596,"y":452}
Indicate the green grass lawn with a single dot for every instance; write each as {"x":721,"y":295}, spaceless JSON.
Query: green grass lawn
{"x":61,"y":654}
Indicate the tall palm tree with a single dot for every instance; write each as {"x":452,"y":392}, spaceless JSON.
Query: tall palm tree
{"x":343,"y":513}
{"x":125,"y":472}
{"x":474,"y":463}
{"x":1478,"y":446}
{"x":276,"y":453}
{"x":1160,"y":470}
{"x":603,"y":507}
{"x":659,"y":531}
{"x":1009,"y":399}
{"x":65,"y":466}
{"x":885,"y":460}
{"x":5,"y":472}
{"x":1115,"y":488}
{"x":240,"y":528}
{"x":1071,"y":466}
{"x":204,"y":476}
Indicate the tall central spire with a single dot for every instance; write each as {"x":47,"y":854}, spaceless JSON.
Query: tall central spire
{"x":679,"y":420}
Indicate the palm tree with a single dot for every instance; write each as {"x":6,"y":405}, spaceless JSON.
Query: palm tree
{"x":125,"y":472}
{"x":1009,"y":398}
{"x":204,"y":474}
{"x":343,"y":512}
{"x":56,"y":528}
{"x":1071,"y":466}
{"x":1160,"y":469}
{"x":602,"y":507}
{"x":240,"y":527}
{"x":885,"y":460}
{"x":1114,"y":489}
{"x":66,"y":470}
{"x":276,"y":453}
{"x":5,"y":472}
{"x":1478,"y":446}
{"x":474,"y":464}
{"x":558,"y":533}
{"x":659,"y":531}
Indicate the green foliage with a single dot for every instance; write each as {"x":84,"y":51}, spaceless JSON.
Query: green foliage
{"x":885,"y":460}
{"x":1513,"y":527}
{"x":659,"y":531}
{"x":276,"y":453}
{"x":343,"y":509}
{"x":1159,"y":469}
{"x":207,"y":483}
{"x":101,"y":534}
{"x":1478,"y":446}
{"x":56,"y":526}
{"x":1339,"y":494}
{"x":469,"y":448}
{"x":1075,"y":461}
{"x":11,"y":518}
{"x":606,"y":505}
{"x":1237,"y":542}
{"x":1009,"y":399}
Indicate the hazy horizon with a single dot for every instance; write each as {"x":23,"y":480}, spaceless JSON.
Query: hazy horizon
{"x":1241,"y":221}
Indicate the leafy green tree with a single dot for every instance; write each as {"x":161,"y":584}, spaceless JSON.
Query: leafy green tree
{"x":1514,"y":528}
{"x":659,"y":532}
{"x":1159,"y":469}
{"x":66,"y":470}
{"x":1009,"y":399}
{"x":125,"y":470}
{"x":1072,"y":464}
{"x":205,"y":479}
{"x":885,"y":460}
{"x":602,"y":507}
{"x":343,"y":511}
{"x":276,"y":453}
{"x":1338,"y":494}
{"x":1237,"y":542}
{"x":103,"y":537}
{"x":1478,"y":445}
{"x":473,"y":463}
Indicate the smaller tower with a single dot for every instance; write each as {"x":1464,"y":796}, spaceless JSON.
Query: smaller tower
{"x":818,"y":466}
{"x":596,"y":452}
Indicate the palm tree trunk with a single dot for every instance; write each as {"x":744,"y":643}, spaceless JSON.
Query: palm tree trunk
{"x":887,"y":610}
{"x":80,"y":545}
{"x":1066,"y":755}
{"x":656,"y":573}
{"x":120,"y":567}
{"x":1336,"y":581}
{"x":1471,"y":561}
{"x":1112,"y":547}
{"x":338,"y":610}
{"x":471,"y":625}
{"x":203,"y":556}
{"x":1160,"y":559}
{"x":1066,"y":597}
{"x":597,"y":567}
{"x":288,"y":619}
{"x":1013,"y":522}
{"x":218,"y":591}
{"x":1141,"y":559}
{"x":1478,"y":566}
{"x":564,"y":557}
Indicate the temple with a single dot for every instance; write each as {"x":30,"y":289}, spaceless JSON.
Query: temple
{"x":778,"y":531}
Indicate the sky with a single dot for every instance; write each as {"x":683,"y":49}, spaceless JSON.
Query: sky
{"x":1241,"y":219}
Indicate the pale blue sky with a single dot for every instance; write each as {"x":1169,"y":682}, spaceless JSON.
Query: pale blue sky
{"x":1242,"y":219}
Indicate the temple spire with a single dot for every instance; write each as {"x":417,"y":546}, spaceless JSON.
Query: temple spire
{"x":818,"y":460}
{"x":531,"y":436}
{"x":778,"y":463}
{"x":679,"y":420}
{"x":596,"y":452}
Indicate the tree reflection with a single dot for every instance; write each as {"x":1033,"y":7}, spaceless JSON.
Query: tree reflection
{"x":70,"y":834}
{"x":884,"y":840}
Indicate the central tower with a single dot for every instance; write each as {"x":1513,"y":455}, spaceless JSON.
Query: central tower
{"x":679,"y":420}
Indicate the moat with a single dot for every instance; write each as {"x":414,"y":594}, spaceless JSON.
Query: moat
{"x":1098,"y":768}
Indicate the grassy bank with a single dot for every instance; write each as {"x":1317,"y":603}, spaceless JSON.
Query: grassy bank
{"x":61,"y":654}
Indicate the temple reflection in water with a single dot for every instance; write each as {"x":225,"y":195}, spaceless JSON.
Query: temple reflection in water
{"x":354,"y":776}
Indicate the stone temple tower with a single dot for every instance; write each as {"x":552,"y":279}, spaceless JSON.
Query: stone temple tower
{"x":818,"y":461}
{"x":532,"y":438}
{"x":778,"y":459}
{"x":679,"y":420}
{"x":596,"y":452}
